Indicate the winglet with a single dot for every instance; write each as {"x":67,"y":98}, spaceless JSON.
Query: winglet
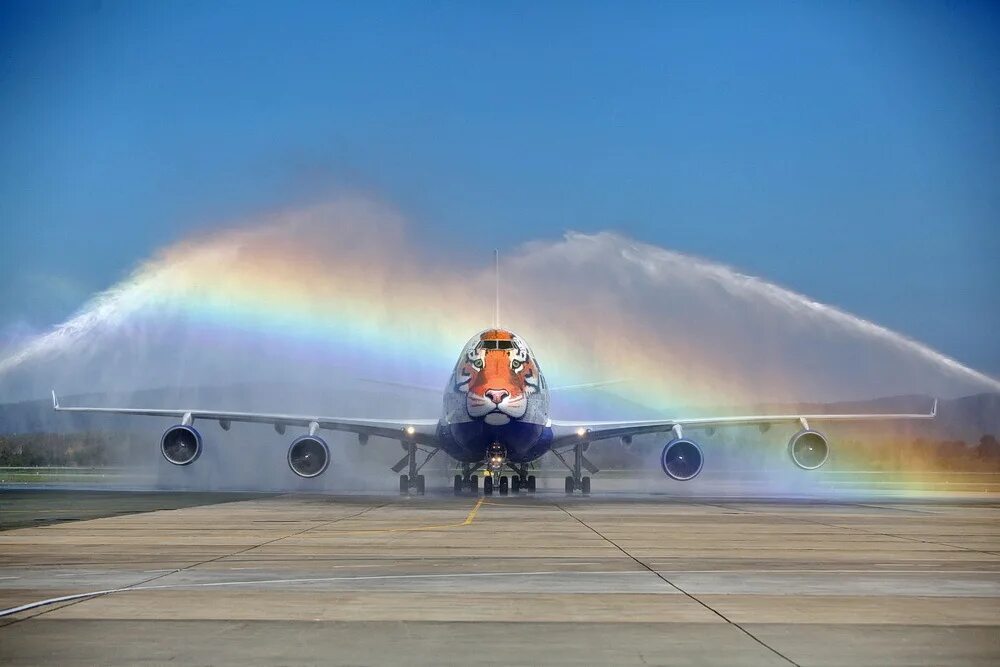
{"x":55,"y":400}
{"x":934,"y":409}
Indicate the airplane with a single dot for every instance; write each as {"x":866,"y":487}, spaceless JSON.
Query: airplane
{"x":495,"y":417}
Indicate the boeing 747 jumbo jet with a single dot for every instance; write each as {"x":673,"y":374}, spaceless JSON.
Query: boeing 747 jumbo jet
{"x":495,"y":418}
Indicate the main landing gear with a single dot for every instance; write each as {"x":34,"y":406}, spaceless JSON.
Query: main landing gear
{"x":576,"y":481}
{"x":494,"y":482}
{"x":504,"y":485}
{"x":467,"y":481}
{"x":412,"y":482}
{"x":572,"y":485}
{"x":521,"y":480}
{"x":415,"y":484}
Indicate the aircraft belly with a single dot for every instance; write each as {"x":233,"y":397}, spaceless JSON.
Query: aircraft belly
{"x":467,"y":441}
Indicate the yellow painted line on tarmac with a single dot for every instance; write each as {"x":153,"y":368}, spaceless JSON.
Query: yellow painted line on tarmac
{"x":411,"y":529}
{"x":472,"y":515}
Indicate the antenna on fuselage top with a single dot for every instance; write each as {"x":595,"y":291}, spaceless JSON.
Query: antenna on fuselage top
{"x":496,"y":310}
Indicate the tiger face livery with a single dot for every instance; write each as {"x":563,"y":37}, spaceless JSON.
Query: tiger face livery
{"x":497,"y":374}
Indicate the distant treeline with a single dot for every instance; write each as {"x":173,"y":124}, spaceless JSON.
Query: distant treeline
{"x":84,"y":450}
{"x":923,"y":454}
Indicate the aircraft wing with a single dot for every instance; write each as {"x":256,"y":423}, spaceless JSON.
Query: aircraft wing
{"x":421,"y":431}
{"x":567,"y":434}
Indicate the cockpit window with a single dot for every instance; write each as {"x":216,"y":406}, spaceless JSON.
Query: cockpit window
{"x":496,"y":345}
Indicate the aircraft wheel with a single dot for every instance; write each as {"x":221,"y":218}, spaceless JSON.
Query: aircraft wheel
{"x":488,"y":486}
{"x":515,"y":484}
{"x":421,"y":485}
{"x":531,"y":483}
{"x":459,"y":487}
{"x":404,"y":484}
{"x":504,"y":487}
{"x":585,"y":486}
{"x":473,"y":484}
{"x":569,"y":485}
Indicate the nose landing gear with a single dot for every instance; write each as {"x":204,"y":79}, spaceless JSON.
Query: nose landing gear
{"x":494,"y":481}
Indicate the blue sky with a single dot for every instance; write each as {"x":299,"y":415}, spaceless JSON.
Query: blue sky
{"x":850,"y":151}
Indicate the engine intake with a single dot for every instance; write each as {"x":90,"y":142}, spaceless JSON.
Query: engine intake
{"x":308,"y":456}
{"x":181,"y":445}
{"x":681,"y":459}
{"x":808,"y":449}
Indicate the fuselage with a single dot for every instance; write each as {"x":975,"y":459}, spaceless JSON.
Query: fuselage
{"x":496,"y":398}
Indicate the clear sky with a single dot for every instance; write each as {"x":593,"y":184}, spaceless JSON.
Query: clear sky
{"x":850,"y":151}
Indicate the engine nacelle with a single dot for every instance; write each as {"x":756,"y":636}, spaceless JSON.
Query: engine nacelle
{"x":808,"y":449}
{"x":681,"y":459}
{"x":308,"y":456}
{"x":181,"y":445}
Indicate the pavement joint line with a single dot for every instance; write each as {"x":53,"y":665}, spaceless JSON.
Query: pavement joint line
{"x":346,"y":557}
{"x":874,"y":533}
{"x":78,"y":598}
{"x":509,"y":505}
{"x":679,"y":589}
{"x":778,"y":572}
{"x":897,"y":509}
{"x":413,"y":529}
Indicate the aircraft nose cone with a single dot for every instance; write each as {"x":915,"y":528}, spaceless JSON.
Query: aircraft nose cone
{"x":497,"y":395}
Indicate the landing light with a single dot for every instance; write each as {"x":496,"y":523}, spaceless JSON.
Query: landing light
{"x":581,"y":432}
{"x":410,"y":430}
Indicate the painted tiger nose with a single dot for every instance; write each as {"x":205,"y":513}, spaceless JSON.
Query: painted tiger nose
{"x":497,"y":395}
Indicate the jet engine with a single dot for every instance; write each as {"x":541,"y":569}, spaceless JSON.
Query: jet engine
{"x":308,"y":456}
{"x":808,"y":449}
{"x":181,"y":445}
{"x":681,"y":459}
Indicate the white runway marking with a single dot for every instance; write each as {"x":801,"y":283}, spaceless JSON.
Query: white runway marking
{"x":216,"y":584}
{"x":573,"y":562}
{"x":329,"y":567}
{"x":373,"y":576}
{"x":778,"y":573}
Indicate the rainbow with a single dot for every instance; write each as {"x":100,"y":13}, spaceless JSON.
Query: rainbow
{"x":344,"y":285}
{"x":345,"y":282}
